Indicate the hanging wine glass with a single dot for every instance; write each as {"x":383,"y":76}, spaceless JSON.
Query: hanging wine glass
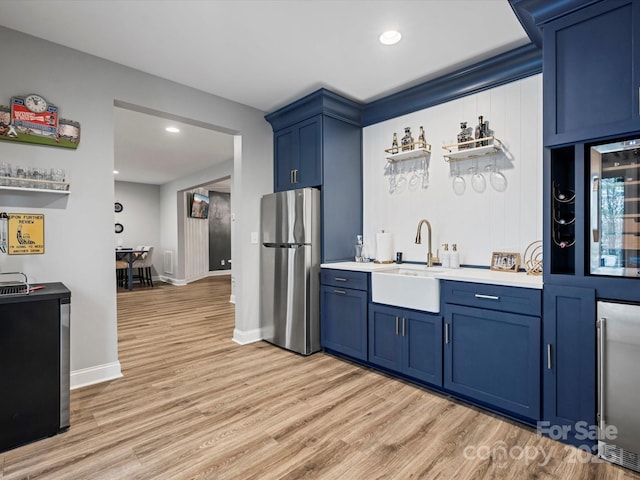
{"x":392,"y":172}
{"x":401,"y":183}
{"x":478,"y":182}
{"x":496,"y":178}
{"x":458,"y":183}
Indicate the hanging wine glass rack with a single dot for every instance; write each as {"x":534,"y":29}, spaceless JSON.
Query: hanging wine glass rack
{"x":409,"y":151}
{"x":466,"y":150}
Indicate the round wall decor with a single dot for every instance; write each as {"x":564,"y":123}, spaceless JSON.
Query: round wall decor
{"x":119,"y":228}
{"x":118,"y":207}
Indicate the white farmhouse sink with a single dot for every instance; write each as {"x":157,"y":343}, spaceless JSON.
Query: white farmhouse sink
{"x":410,"y":287}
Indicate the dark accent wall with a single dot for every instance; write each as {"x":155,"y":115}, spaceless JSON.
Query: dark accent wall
{"x":219,"y":231}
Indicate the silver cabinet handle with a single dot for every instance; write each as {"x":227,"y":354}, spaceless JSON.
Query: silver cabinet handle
{"x":549,"y":356}
{"x":340,"y":279}
{"x":404,"y":321}
{"x":397,"y":320}
{"x":341,"y":292}
{"x":487,"y":297}
{"x":291,"y":176}
{"x":295,"y":175}
{"x":446,"y":333}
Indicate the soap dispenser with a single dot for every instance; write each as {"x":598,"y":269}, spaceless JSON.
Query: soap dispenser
{"x":454,"y":259}
{"x":446,"y":256}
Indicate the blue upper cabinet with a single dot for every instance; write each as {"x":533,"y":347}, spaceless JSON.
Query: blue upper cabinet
{"x":591,"y":76}
{"x":297,"y":155}
{"x":318,"y":143}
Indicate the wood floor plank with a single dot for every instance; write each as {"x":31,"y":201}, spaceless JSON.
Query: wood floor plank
{"x":195,"y":405}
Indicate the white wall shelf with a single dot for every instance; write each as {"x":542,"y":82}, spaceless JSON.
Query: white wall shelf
{"x":456,"y":154}
{"x":409,"y":154}
{"x":37,"y":190}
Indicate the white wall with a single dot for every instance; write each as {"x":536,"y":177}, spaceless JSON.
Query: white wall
{"x":79,"y":229}
{"x":478,"y":222}
{"x":140,"y":217}
{"x":196,"y":242}
{"x":174,"y":213}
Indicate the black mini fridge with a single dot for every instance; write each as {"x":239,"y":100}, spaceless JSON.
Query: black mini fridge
{"x":34,"y":365}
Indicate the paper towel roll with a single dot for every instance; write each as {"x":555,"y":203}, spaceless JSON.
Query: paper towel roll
{"x":384,"y":247}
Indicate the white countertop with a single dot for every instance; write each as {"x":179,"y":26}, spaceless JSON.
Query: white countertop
{"x":474,"y":275}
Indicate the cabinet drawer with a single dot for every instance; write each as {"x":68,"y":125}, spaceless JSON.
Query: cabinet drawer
{"x":343,"y":278}
{"x":526,"y":301}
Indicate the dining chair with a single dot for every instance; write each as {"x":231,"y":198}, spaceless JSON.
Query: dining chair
{"x":143,"y":265}
{"x":122,"y":273}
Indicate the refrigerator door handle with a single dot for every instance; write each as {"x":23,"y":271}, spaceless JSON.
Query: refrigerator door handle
{"x":284,"y":245}
{"x":600,"y":324}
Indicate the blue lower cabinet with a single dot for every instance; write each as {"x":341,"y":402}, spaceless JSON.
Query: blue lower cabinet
{"x":493,"y":357}
{"x":569,"y":372}
{"x":343,"y":320}
{"x":406,"y":341}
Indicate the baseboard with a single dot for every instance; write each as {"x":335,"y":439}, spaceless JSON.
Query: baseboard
{"x":248,"y":336}
{"x":232,"y":299}
{"x":182,"y":281}
{"x":215,"y":273}
{"x":97,"y":374}
{"x":172,"y":281}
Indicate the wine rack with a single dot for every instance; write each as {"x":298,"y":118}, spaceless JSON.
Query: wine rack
{"x":564,"y":217}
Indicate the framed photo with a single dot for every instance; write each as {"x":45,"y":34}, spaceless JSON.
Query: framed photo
{"x":505,"y":261}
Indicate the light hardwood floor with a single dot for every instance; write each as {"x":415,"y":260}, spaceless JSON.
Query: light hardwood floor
{"x":194,"y":405}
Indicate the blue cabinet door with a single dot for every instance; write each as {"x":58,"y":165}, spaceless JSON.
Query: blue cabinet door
{"x":309,"y":152}
{"x":284,"y":144}
{"x":343,"y":320}
{"x":591,"y":79}
{"x":406,"y":341}
{"x":493,"y":357}
{"x":385,"y":341}
{"x":422,"y":355}
{"x":298,"y":155}
{"x":569,"y":373}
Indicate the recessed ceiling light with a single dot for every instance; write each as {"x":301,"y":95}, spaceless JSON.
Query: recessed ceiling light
{"x":172,"y":129}
{"x":390,"y":37}
{"x":115,"y":172}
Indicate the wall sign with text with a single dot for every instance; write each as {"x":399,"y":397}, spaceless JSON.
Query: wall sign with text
{"x":26,"y":234}
{"x":32,"y":119}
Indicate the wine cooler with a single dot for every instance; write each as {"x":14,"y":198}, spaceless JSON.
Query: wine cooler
{"x":614,"y":224}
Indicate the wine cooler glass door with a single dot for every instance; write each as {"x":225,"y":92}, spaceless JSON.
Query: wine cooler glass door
{"x":615,"y":209}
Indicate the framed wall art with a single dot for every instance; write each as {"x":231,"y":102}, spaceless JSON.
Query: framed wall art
{"x":505,"y":261}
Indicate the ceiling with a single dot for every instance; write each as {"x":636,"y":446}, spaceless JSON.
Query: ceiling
{"x":265,"y":53}
{"x":146,"y":153}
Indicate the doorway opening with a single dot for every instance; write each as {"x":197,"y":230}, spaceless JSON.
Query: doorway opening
{"x":155,"y":167}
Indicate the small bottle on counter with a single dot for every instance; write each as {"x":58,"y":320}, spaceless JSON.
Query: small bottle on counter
{"x":454,"y":260}
{"x":445,"y":258}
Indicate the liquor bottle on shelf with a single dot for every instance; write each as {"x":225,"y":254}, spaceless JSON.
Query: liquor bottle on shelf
{"x":394,"y":144}
{"x":422,"y":143}
{"x":407,"y":140}
{"x":479,"y":133}
{"x":486,"y":133}
{"x":464,"y":136}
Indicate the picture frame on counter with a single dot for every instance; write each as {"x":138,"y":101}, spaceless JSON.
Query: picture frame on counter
{"x":505,"y":262}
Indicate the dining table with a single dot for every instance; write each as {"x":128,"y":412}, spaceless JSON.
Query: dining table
{"x":129,"y":255}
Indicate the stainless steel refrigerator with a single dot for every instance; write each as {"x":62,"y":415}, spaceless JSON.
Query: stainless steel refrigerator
{"x":619,"y":383}
{"x":290,"y":269}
